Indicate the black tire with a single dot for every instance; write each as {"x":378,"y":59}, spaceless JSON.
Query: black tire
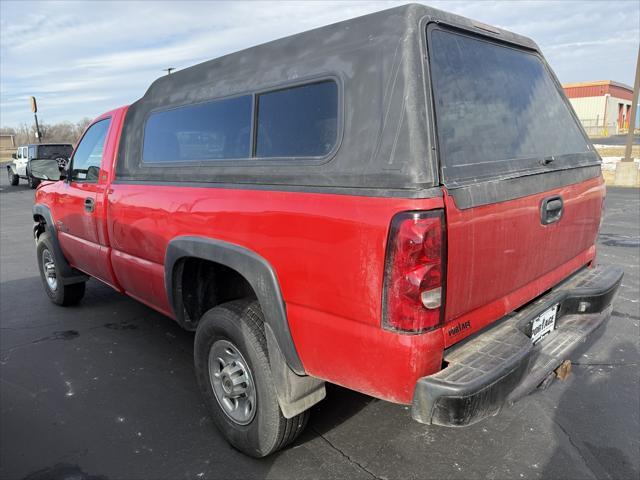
{"x":13,"y":179}
{"x":241,"y":323}
{"x":33,"y":182}
{"x":59,"y":294}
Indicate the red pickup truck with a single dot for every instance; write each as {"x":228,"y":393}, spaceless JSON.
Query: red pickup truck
{"x":403,"y":204}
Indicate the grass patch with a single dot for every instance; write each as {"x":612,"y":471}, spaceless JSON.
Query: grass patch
{"x":618,"y":151}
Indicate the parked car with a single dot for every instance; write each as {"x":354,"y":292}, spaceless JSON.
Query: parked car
{"x":403,"y":204}
{"x":20,"y":167}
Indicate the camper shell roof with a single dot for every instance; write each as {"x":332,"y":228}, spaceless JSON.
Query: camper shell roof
{"x":385,"y":140}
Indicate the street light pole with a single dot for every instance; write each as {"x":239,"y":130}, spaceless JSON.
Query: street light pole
{"x":634,"y":109}
{"x":35,"y":115}
{"x":34,"y":109}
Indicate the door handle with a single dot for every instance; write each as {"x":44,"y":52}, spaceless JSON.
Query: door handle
{"x":554,"y":205}
{"x":551,"y":209}
{"x":89,"y":204}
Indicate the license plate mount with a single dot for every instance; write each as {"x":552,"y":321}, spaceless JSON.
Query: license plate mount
{"x":543,"y":324}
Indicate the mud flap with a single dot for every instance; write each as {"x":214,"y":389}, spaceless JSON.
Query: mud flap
{"x":295,"y":393}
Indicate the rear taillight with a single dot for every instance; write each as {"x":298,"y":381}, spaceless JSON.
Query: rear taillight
{"x":413,"y":295}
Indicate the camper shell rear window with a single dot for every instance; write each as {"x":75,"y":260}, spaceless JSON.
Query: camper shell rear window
{"x":499,"y":113}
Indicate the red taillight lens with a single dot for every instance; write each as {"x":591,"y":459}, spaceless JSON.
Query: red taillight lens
{"x":413,"y":293}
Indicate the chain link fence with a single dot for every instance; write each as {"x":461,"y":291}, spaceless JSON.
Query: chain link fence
{"x":596,"y":127}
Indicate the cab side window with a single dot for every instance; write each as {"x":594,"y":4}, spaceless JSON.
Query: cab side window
{"x":85,"y":165}
{"x":32,"y":152}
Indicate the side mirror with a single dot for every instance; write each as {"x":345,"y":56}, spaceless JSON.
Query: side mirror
{"x":14,"y":156}
{"x":45,"y":169}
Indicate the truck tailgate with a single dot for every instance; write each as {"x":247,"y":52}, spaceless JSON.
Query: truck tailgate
{"x":497,"y":249}
{"x":523,"y":187}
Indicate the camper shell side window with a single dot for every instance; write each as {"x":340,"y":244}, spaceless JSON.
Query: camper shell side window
{"x":299,"y":121}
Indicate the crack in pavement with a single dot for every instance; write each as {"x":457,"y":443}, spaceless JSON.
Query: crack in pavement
{"x":59,"y":335}
{"x":62,"y":335}
{"x":601,"y":473}
{"x":349,"y":459}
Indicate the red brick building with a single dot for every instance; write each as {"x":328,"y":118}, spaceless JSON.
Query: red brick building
{"x":604,"y":107}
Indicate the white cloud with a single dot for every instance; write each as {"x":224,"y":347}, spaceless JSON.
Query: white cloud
{"x":83,"y":58}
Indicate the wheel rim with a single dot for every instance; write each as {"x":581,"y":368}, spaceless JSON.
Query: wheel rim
{"x":232,"y":382}
{"x":49,"y":269}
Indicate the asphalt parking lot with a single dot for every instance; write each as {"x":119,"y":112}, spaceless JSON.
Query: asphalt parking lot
{"x":106,"y":390}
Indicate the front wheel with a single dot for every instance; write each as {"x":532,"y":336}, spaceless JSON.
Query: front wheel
{"x":13,"y":178}
{"x":56,"y":290}
{"x":233,"y":372}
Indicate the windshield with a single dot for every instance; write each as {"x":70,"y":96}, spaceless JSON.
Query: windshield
{"x":498,"y":111}
{"x":54,"y":151}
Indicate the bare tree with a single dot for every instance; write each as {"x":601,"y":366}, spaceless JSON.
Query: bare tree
{"x":61,"y":132}
{"x":83,"y":124}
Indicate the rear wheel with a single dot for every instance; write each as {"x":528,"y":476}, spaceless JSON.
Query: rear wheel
{"x":234,"y":375}
{"x":13,"y":178}
{"x":33,"y":182}
{"x":56,"y":290}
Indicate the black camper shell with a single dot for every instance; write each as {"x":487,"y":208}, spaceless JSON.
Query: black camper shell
{"x":386,"y":144}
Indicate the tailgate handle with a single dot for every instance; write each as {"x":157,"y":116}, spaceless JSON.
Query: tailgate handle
{"x":551,"y":210}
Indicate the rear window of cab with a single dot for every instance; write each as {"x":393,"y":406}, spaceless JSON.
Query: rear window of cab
{"x":294,"y":122}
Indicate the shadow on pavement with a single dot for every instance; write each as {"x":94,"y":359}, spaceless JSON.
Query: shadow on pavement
{"x":8,"y":189}
{"x":106,"y":389}
{"x":340,"y":405}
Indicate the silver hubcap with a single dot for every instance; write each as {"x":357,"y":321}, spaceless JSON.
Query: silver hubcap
{"x":232,"y":382}
{"x":49,"y":268}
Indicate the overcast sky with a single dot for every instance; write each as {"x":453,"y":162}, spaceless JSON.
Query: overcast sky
{"x":83,"y":58}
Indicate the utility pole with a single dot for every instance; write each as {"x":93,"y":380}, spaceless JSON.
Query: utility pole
{"x":34,"y":109}
{"x":634,"y":109}
{"x":169,"y":70}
